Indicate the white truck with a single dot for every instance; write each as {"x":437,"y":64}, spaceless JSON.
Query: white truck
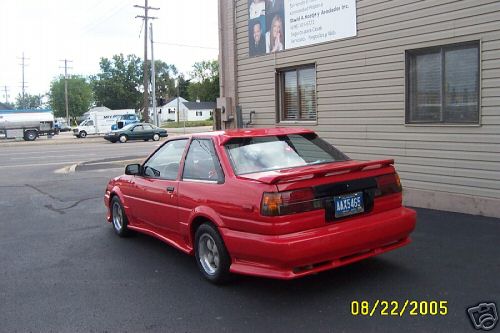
{"x":98,"y":122}
{"x":26,"y":124}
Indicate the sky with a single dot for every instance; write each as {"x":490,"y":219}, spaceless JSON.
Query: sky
{"x":83,"y":31}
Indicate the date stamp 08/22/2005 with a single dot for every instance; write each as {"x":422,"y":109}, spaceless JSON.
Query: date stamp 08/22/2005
{"x":483,"y":316}
{"x":399,"y":308}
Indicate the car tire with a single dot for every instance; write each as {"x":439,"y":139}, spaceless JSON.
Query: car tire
{"x":123,"y":138}
{"x":156,"y":137}
{"x":119,"y":218}
{"x":211,"y":254}
{"x":30,"y":135}
{"x":82,"y":134}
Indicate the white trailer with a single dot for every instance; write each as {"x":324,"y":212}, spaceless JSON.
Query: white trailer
{"x":26,"y":124}
{"x":99,"y":122}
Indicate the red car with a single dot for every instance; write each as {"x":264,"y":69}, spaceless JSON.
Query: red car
{"x":279,"y":203}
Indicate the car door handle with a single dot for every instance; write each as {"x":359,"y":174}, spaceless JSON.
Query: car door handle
{"x":170,"y":189}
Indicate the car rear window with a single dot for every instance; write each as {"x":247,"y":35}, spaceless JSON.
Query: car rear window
{"x":257,"y":154}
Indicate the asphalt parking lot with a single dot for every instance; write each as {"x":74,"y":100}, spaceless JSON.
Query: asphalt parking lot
{"x":64,"y":270}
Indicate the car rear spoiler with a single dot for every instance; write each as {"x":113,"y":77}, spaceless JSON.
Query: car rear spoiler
{"x":318,"y":171}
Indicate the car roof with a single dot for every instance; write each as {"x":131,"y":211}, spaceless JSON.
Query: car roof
{"x":141,"y":124}
{"x":223,"y":136}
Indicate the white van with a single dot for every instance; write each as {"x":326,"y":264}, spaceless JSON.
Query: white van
{"x":99,"y":122}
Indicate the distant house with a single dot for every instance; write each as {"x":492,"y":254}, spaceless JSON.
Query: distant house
{"x":189,"y":110}
{"x":168,"y":112}
{"x":198,"y":110}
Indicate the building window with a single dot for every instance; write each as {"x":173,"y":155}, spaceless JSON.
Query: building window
{"x":199,"y":113}
{"x":297,"y":94}
{"x":443,"y":84}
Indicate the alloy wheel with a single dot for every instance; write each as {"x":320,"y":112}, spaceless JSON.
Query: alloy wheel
{"x":209,"y":254}
{"x":117,"y":216}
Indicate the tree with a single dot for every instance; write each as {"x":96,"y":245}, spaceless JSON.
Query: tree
{"x":165,"y":80}
{"x":183,"y":87}
{"x":80,"y":96}
{"x":28,"y":101}
{"x":205,"y":70}
{"x":206,"y":85}
{"x":119,"y":84}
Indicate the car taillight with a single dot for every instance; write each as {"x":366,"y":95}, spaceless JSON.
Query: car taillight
{"x":289,"y":202}
{"x":388,"y":184}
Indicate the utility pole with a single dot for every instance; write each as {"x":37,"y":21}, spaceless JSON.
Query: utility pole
{"x":153,"y":79}
{"x":23,"y":86}
{"x":178,"y":102}
{"x":6,"y":94}
{"x":145,"y":17}
{"x":66,"y":88}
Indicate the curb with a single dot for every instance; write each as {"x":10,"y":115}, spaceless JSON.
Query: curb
{"x":67,"y":169}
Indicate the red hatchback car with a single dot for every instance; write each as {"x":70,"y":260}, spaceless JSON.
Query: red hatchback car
{"x":279,"y":203}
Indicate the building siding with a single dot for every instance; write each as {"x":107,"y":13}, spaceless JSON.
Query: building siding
{"x":360,"y":84}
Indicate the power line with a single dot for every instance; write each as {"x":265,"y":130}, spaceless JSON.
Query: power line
{"x":103,"y":18}
{"x":145,"y":17}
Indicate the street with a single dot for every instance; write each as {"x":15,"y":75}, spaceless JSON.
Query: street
{"x":64,"y":269}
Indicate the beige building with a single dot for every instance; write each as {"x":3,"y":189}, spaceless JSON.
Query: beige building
{"x":417,"y":81}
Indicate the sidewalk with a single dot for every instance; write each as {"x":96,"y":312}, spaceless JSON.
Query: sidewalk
{"x":61,"y":138}
{"x":67,"y":137}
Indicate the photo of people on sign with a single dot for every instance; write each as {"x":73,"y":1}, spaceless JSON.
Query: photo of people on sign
{"x":266,"y":26}
{"x":277,"y":25}
{"x":257,"y":37}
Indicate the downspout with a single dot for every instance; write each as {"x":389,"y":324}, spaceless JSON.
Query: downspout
{"x":222,"y":86}
{"x":235,"y":46}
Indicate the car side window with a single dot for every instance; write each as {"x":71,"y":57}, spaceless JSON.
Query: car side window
{"x":164,"y":163}
{"x":202,"y":162}
{"x":148,"y":127}
{"x":138,"y":128}
{"x":90,"y":123}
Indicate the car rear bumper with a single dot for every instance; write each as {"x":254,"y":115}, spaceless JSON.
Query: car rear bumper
{"x":336,"y":244}
{"x":110,"y":138}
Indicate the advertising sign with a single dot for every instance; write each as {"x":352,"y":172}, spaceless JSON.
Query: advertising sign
{"x":277,"y":25}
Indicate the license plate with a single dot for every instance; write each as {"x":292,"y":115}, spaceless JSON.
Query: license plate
{"x":348,"y":204}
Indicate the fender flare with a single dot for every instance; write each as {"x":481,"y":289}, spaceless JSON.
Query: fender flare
{"x":116,"y":191}
{"x":206,"y":213}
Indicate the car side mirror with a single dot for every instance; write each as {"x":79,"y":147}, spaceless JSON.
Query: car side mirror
{"x":133,"y":169}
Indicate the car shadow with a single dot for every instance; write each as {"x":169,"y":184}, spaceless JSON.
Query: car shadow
{"x":367,"y":273}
